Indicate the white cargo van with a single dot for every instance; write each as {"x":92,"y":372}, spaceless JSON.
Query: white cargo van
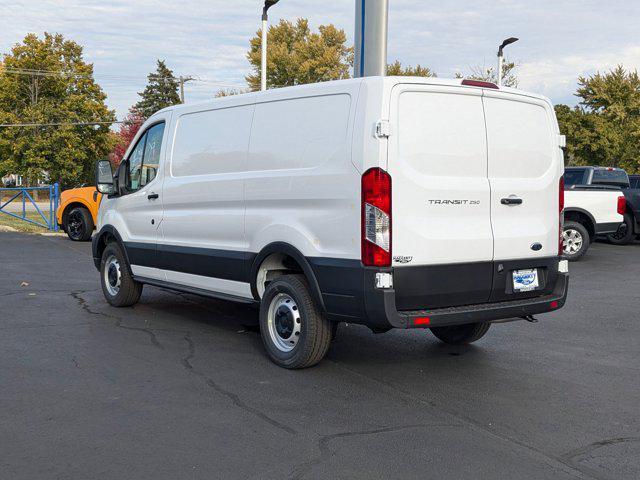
{"x":391,"y":202}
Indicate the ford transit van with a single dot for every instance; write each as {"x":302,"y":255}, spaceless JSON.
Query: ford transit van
{"x":392,"y":202}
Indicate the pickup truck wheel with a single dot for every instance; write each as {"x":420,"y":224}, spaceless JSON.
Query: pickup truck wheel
{"x":294,"y":331}
{"x":79,"y":224}
{"x":118,"y":286}
{"x":624,"y":235}
{"x":461,"y":334}
{"x":575,"y":240}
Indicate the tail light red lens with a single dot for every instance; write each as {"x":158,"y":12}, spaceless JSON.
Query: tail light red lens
{"x":622,"y":205}
{"x":376,"y":218}
{"x":561,"y":215}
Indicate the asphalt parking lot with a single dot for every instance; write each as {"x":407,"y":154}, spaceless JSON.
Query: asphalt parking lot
{"x":179,"y":386}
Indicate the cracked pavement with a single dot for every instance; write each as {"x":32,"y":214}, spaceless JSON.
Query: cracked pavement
{"x":179,"y":386}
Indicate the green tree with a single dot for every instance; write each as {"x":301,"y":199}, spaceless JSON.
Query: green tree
{"x":604,"y":128}
{"x":396,"y":69}
{"x":161,"y":91}
{"x":490,"y":74}
{"x":296,"y":55}
{"x":47,"y":81}
{"x":229,"y":92}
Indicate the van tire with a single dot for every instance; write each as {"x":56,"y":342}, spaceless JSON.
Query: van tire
{"x":287,"y":307}
{"x":461,"y":334}
{"x":79,"y":224}
{"x":127,"y":291}
{"x":580,"y":229}
{"x":628,"y":236}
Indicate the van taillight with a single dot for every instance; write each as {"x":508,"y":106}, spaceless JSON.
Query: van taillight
{"x":622,"y":205}
{"x":561,"y":215}
{"x":376,"y":218}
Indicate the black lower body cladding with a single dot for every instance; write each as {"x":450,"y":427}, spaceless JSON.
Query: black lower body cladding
{"x":446,"y":294}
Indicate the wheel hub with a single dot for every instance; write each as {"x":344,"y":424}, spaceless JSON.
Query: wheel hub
{"x":571,"y":241}
{"x":284,"y":322}
{"x":112,"y":275}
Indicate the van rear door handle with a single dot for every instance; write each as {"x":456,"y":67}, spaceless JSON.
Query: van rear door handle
{"x":153,"y":196}
{"x":512,"y":200}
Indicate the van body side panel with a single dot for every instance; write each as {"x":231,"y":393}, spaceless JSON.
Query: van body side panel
{"x":203,"y":197}
{"x":300,"y":186}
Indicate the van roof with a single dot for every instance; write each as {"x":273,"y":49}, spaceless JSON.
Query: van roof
{"x":388,"y":82}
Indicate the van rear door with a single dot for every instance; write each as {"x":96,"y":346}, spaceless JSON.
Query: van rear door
{"x":524,"y":172}
{"x":442,"y":241}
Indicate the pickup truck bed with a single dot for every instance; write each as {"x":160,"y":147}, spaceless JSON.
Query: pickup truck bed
{"x":589,"y":211}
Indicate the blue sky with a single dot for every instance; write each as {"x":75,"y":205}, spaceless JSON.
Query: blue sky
{"x":208,"y":39}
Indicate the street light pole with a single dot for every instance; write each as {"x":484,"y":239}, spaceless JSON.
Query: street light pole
{"x":263,"y":64}
{"x":508,"y":41}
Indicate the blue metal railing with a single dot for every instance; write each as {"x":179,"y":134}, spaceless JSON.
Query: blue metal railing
{"x":22,"y":195}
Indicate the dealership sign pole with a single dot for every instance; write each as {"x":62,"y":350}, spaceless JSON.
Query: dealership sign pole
{"x":372,"y":18}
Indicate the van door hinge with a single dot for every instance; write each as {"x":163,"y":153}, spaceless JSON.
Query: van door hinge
{"x":383,"y":129}
{"x":562,"y":141}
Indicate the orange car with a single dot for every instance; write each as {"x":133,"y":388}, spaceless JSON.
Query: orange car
{"x":77,"y":212}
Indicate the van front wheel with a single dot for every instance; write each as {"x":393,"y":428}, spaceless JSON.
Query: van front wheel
{"x":294,"y":331}
{"x":118,"y":286}
{"x":461,"y":334}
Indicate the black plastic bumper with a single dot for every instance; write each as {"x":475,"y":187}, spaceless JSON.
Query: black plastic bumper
{"x":382,"y":312}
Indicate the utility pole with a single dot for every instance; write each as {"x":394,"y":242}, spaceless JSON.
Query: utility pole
{"x":183,"y":80}
{"x":263,"y":64}
{"x":508,"y":41}
{"x":372,"y":20}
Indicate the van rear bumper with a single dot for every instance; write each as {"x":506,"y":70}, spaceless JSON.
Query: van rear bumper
{"x":383,"y":314}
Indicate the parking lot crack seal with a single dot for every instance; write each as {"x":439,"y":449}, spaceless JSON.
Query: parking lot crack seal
{"x":325,"y":440}
{"x":235,"y":399}
{"x":118,"y":321}
{"x":549,"y":459}
{"x":587,"y":450}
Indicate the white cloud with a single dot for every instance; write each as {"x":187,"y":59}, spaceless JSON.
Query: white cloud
{"x":555,"y":77}
{"x":559,"y":39}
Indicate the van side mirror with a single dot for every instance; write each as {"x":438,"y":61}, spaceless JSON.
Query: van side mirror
{"x":104,"y":178}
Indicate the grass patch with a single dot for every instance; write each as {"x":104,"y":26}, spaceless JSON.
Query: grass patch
{"x":21,"y":225}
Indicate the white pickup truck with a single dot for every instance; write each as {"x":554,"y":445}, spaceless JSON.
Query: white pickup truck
{"x":590,"y":211}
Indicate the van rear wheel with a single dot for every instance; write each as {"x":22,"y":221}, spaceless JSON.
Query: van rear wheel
{"x":294,"y":331}
{"x":461,"y":334}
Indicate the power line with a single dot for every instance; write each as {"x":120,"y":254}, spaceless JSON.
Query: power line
{"x":57,"y":73}
{"x":59,"y":124}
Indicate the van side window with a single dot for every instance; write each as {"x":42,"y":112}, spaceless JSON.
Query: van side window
{"x":151,"y":160}
{"x":135,"y":165}
{"x":145,"y":158}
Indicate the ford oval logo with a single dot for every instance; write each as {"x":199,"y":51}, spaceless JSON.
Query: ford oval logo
{"x":536,"y":247}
